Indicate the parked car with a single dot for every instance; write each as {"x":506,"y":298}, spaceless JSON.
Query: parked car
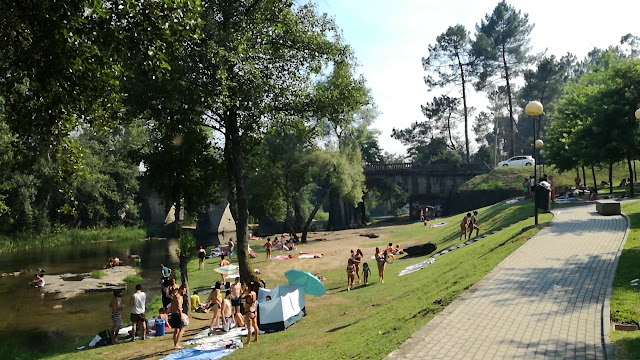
{"x":518,"y":161}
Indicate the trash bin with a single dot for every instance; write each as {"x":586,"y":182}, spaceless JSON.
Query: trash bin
{"x":159,"y":327}
{"x":543,"y":198}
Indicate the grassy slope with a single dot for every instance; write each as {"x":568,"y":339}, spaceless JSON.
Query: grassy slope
{"x":625,"y":299}
{"x":371,"y":321}
{"x":511,"y":178}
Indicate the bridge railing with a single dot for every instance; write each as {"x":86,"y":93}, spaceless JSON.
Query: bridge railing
{"x":432,"y":167}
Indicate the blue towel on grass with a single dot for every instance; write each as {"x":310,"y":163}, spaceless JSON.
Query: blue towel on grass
{"x":193,"y":354}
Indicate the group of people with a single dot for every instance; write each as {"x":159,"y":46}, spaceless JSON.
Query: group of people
{"x":280,"y":244}
{"x":115,"y":261}
{"x":529,"y":186}
{"x":468,"y":224}
{"x":382,"y":257}
{"x":232,"y":307}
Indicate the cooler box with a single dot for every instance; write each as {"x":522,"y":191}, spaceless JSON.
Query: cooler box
{"x":159,"y":327}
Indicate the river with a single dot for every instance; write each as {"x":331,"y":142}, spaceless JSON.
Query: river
{"x":29,"y":314}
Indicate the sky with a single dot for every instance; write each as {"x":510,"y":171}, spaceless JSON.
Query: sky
{"x":390,"y":37}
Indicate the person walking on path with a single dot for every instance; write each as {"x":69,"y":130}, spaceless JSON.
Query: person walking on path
{"x":138,"y":308}
{"x":116,"y":315}
{"x":175,"y":321}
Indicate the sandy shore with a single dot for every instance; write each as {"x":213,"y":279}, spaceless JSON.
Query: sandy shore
{"x":113,"y":279}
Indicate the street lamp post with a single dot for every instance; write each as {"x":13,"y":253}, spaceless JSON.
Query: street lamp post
{"x":534,"y":109}
{"x":541,"y":157}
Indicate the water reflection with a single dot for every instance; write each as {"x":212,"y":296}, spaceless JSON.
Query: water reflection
{"x":29,"y":312}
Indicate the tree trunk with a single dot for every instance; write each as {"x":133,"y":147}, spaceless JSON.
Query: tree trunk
{"x":464,"y":105}
{"x":631,"y":190}
{"x":305,"y":230}
{"x":593,"y":173}
{"x":610,"y":176}
{"x":584,"y":176}
{"x":238,"y":205}
{"x":511,"y":122}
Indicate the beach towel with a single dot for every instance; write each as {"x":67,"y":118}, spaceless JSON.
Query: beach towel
{"x":309,"y":256}
{"x":419,"y":266}
{"x":281,"y":257}
{"x":193,"y":354}
{"x":438,"y":225}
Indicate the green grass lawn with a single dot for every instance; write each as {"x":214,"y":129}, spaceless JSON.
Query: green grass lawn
{"x":371,"y":321}
{"x":625,"y":299}
{"x":511,"y":178}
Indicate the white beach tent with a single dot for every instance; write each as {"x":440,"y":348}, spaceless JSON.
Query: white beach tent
{"x":284,"y":309}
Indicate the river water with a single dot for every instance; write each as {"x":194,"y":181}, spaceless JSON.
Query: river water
{"x":28,"y":313}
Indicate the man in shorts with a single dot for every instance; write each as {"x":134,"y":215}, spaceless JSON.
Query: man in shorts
{"x":236,"y":291}
{"x":175,"y":321}
{"x":116,"y":314}
{"x":138,"y":308}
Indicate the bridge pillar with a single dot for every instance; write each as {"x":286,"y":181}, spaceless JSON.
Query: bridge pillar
{"x":215,"y":220}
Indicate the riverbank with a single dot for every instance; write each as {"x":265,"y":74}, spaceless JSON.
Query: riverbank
{"x":63,"y":288}
{"x":370,"y":321}
{"x":24,"y":241}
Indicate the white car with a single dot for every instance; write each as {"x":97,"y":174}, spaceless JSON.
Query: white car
{"x":518,"y":161}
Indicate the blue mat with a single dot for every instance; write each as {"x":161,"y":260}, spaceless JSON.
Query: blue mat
{"x":193,"y":354}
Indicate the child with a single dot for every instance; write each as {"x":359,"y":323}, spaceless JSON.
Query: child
{"x":351,"y":272}
{"x":365,"y":273}
{"x":162,"y":314}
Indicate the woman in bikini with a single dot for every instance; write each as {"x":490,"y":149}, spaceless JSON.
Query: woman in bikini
{"x":202,"y":253}
{"x":463,"y":226}
{"x":351,"y":269}
{"x":215,"y":301}
{"x":357,"y":259}
{"x":249,"y":312}
{"x":472,"y":224}
{"x":381,"y":259}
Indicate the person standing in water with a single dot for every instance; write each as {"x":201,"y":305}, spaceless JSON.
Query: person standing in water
{"x":116,"y":315}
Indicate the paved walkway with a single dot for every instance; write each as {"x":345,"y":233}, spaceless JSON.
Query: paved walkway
{"x":547,"y":300}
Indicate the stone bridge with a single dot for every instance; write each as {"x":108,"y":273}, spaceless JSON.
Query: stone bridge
{"x":424,"y":184}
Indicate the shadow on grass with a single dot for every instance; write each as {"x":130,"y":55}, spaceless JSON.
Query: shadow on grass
{"x":341,"y":327}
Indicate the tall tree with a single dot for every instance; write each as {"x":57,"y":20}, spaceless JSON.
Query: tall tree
{"x":502,"y":44}
{"x":254,"y":65}
{"x":442,"y":112}
{"x":545,"y":84}
{"x":334,"y":172}
{"x":451,"y":63}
